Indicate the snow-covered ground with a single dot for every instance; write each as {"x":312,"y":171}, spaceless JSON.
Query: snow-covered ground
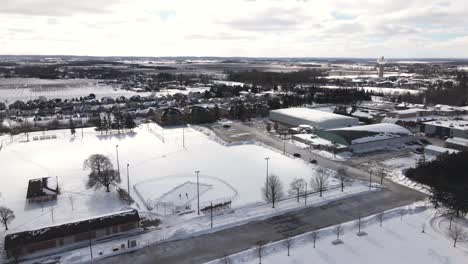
{"x":30,"y":88}
{"x":375,"y":89}
{"x":181,"y":227}
{"x":398,"y":240}
{"x":235,"y":172}
{"x":395,"y":168}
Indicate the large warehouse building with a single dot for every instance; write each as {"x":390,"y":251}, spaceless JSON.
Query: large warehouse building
{"x":368,"y":138}
{"x":314,"y":118}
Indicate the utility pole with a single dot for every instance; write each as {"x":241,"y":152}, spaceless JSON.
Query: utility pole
{"x":82,"y":133}
{"x":305,"y":196}
{"x":198,"y":192}
{"x":211,"y":207}
{"x":117,"y":152}
{"x":266,"y":181}
{"x":284,"y":145}
{"x":90,"y":245}
{"x":128,"y":183}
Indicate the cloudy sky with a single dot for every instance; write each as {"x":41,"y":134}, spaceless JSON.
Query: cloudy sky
{"x":261,"y":28}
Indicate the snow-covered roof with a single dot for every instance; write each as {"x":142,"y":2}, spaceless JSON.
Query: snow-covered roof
{"x":441,"y":150}
{"x":68,"y":229}
{"x":379,"y":128}
{"x":449,"y":123}
{"x":458,"y":141}
{"x":410,"y":111}
{"x":310,"y":114}
{"x":301,"y":115}
{"x":367,"y":133}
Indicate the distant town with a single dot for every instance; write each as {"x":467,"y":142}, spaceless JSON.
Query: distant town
{"x":231,"y":160}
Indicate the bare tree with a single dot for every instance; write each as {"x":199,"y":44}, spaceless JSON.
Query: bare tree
{"x":288,"y":243}
{"x":25,"y":127}
{"x":71,"y":199}
{"x":320,"y":181}
{"x":451,"y":221}
{"x":259,"y":250}
{"x":457,"y":233}
{"x":381,"y":174}
{"x":6,"y":216}
{"x":226,"y":259}
{"x":402,"y":213}
{"x":338,"y":230}
{"x":102,"y":172}
{"x":380,"y":217}
{"x":296,"y":186}
{"x":315,"y":236}
{"x":273,"y":191}
{"x":341,"y":173}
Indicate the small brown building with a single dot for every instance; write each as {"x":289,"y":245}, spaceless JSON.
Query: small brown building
{"x":52,"y":237}
{"x":42,"y":190}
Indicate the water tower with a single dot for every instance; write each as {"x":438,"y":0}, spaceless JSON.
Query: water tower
{"x":381,"y":65}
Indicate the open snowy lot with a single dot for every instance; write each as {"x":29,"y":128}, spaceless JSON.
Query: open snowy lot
{"x":398,"y":240}
{"x":396,"y":166}
{"x":14,"y":89}
{"x":160,"y":169}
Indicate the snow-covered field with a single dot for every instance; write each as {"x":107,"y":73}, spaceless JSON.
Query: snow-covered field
{"x":398,"y":240}
{"x":30,"y":88}
{"x":237,"y":172}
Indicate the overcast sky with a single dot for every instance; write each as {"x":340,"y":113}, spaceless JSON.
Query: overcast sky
{"x":262,"y":28}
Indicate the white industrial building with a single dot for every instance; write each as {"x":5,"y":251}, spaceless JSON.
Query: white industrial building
{"x":446,"y":128}
{"x":315,"y":118}
{"x":437,"y":151}
{"x":361,"y":139}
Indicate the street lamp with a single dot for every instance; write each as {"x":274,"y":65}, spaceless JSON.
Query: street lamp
{"x":305,"y":196}
{"x":198,"y":192}
{"x":266,"y":182}
{"x":117,"y":152}
{"x":128,"y":182}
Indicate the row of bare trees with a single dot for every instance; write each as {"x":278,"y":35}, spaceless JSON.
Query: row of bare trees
{"x":273,"y":191}
{"x":456,"y":232}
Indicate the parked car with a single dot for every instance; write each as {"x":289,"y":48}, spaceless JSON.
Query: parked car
{"x":313,"y":161}
{"x":297,"y":155}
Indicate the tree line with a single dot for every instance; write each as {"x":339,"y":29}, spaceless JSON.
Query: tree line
{"x":447,"y":177}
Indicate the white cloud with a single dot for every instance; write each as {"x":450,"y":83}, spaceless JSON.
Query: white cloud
{"x":350,"y":28}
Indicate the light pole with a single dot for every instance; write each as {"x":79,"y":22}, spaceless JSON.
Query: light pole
{"x":183,"y":137}
{"x":128,"y":183}
{"x":266,"y":181}
{"x":370,"y":179}
{"x":284,"y":145}
{"x":117,"y":152}
{"x":305,"y":196}
{"x":198,"y":192}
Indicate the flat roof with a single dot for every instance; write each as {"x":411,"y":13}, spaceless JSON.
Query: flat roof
{"x":450,"y":123}
{"x":312,"y":114}
{"x":458,"y":141}
{"x":441,"y":149}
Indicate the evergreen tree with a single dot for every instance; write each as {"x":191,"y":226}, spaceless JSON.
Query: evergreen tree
{"x":72,"y":127}
{"x":129,"y":122}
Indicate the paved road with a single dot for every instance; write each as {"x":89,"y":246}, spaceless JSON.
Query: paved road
{"x":205,"y":248}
